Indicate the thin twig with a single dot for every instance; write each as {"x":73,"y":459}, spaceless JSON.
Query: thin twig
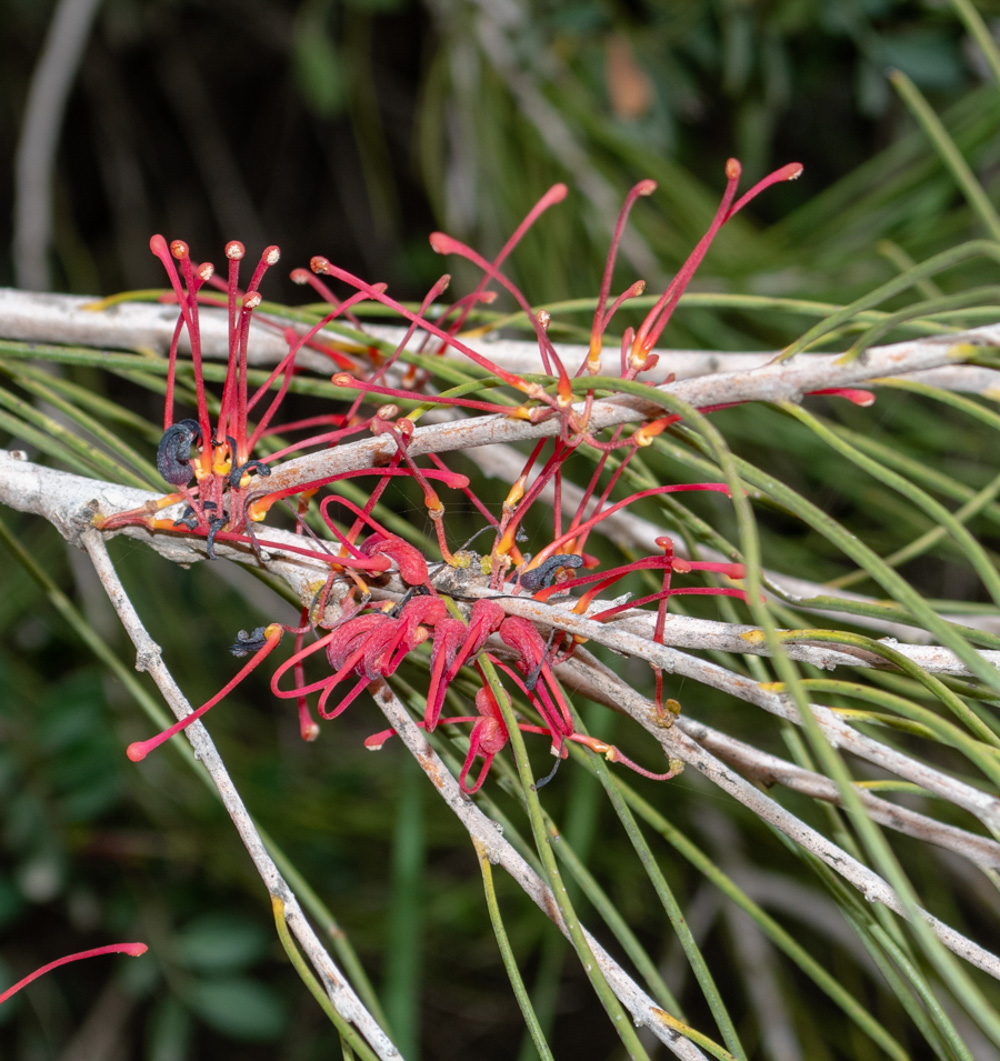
{"x":149,"y":659}
{"x":484,"y":832}
{"x":678,"y":745}
{"x":766,"y":769}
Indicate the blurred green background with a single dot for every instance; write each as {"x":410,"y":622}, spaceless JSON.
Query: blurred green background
{"x":352,"y":130}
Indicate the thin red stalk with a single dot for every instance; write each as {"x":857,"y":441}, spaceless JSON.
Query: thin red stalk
{"x":376,"y":496}
{"x":295,"y":664}
{"x":657,"y":318}
{"x":307,"y":726}
{"x":361,"y":514}
{"x":324,"y":265}
{"x":328,"y":437}
{"x":287,"y":366}
{"x":345,"y":703}
{"x":561,"y":451}
{"x":606,"y":578}
{"x":438,"y":288}
{"x":131,"y":949}
{"x":445,"y":244}
{"x":554,"y":195}
{"x":304,"y":276}
{"x":234,"y":255}
{"x":336,"y":419}
{"x":581,"y":541}
{"x":479,"y":505}
{"x":557,"y":721}
{"x":138,"y":750}
{"x":646,"y":187}
{"x":179,"y":249}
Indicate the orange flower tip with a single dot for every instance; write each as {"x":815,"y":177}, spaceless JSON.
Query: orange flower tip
{"x":344,"y":379}
{"x":733,"y":169}
{"x":646,"y":187}
{"x":544,"y":318}
{"x":319,"y":264}
{"x":664,"y":542}
{"x":441,"y":243}
{"x":388,"y":412}
{"x":488,"y":297}
{"x":257,"y":510}
{"x":252,"y":300}
{"x":179,"y":249}
{"x":273,"y":631}
{"x":235,"y":250}
{"x":271,"y":255}
{"x":299,"y":276}
{"x":680,"y":565}
{"x":206,"y":271}
{"x":405,"y":427}
{"x":310,"y":732}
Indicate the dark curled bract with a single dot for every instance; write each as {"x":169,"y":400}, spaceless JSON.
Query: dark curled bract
{"x":542,"y":576}
{"x":246,"y":643}
{"x":188,"y":519}
{"x":244,"y":469}
{"x":173,"y":455}
{"x":214,"y":526}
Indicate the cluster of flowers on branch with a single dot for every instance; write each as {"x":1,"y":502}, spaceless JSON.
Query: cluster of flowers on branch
{"x":352,"y":631}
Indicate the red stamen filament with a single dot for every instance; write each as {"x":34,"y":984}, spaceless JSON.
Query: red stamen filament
{"x":140,"y":749}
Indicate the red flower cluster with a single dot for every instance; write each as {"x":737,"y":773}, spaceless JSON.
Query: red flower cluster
{"x":373,"y":632}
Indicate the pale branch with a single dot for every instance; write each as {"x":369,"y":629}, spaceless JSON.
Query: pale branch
{"x":70,"y":502}
{"x":631,"y":634}
{"x":72,"y":320}
{"x":677,"y":744}
{"x":840,"y":733}
{"x":645,"y":1012}
{"x":149,"y":659}
{"x":767,"y":770}
{"x":785,"y":381}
